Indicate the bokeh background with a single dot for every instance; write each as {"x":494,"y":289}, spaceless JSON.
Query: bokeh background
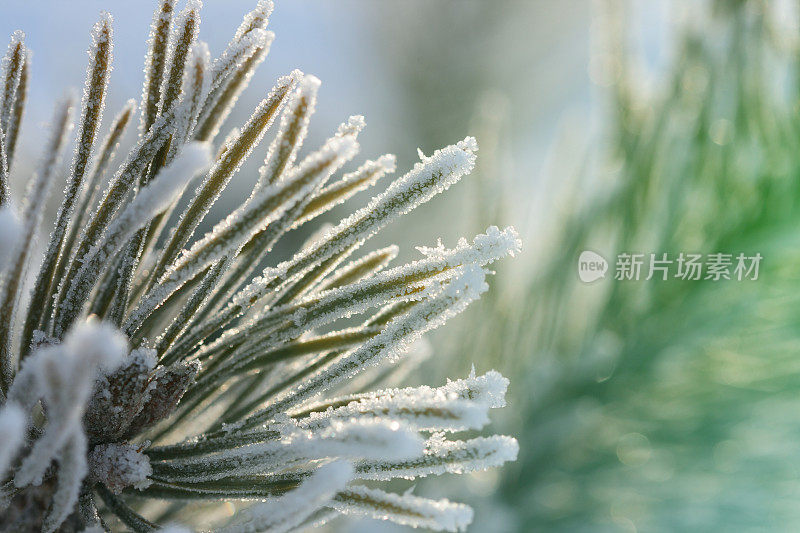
{"x":648,"y":126}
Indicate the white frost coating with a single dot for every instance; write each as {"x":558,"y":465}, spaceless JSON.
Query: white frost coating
{"x":135,"y":163}
{"x":238,"y":227}
{"x":354,"y":439}
{"x":292,"y":130}
{"x":350,"y":184}
{"x":442,"y":456}
{"x":200,"y":54}
{"x":405,"y":509}
{"x":257,"y":18}
{"x":63,"y":376}
{"x":9,"y":234}
{"x":95,"y":344}
{"x":12,"y":434}
{"x":116,"y":194}
{"x":391,"y":343}
{"x":233,"y":76}
{"x":422,"y":412}
{"x":160,"y":29}
{"x":250,"y":39}
{"x":360,"y":268}
{"x":36,"y":197}
{"x":71,"y":471}
{"x":102,"y":33}
{"x":320,"y":310}
{"x":485,"y":249}
{"x":429,"y":177}
{"x":388,"y":162}
{"x":373,"y":438}
{"x":199,"y":59}
{"x":157,"y":195}
{"x":17,"y":37}
{"x":318,"y":233}
{"x":239,"y":52}
{"x":392,"y":284}
{"x":228,"y":163}
{"x":228,"y":142}
{"x":118,"y":466}
{"x":118,"y":395}
{"x":323,"y":308}
{"x":291,"y":345}
{"x":10,"y":89}
{"x":244,"y":53}
{"x":232,"y":58}
{"x":93,"y":103}
{"x":304,"y":179}
{"x":489,"y":389}
{"x":289,"y":511}
{"x":194,"y":88}
{"x":151,"y":200}
{"x":277,"y":167}
{"x":353,"y":126}
{"x":174,"y":528}
{"x":100,"y":29}
{"x":457,"y":406}
{"x":181,"y":41}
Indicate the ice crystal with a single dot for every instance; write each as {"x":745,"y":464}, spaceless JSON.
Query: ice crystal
{"x":151,"y":364}
{"x":118,"y":466}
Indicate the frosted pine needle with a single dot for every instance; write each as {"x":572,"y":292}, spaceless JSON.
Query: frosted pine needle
{"x":143,"y":363}
{"x":405,"y":509}
{"x":289,"y":511}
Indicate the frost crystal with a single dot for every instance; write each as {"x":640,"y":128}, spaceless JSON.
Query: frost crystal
{"x":150,"y":363}
{"x":458,"y":406}
{"x":118,"y":466}
{"x":406,"y":509}
{"x":289,"y":511}
{"x":12,"y":432}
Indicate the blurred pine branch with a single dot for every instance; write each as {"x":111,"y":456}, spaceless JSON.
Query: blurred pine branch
{"x":666,"y":405}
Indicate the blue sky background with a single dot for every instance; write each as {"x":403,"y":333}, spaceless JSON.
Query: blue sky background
{"x":415,"y":69}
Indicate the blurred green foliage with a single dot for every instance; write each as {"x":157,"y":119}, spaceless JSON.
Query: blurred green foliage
{"x":665,"y":405}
